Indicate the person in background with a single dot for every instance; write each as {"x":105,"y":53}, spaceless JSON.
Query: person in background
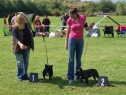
{"x":64,"y":18}
{"x":46,"y":22}
{"x":12,"y":21}
{"x":75,"y":41}
{"x":13,"y":18}
{"x":38,"y":26}
{"x":22,"y":43}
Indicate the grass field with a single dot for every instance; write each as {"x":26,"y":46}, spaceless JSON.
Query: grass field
{"x":107,"y":55}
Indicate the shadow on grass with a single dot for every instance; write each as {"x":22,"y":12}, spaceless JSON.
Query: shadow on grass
{"x":62,"y":82}
{"x":114,"y":83}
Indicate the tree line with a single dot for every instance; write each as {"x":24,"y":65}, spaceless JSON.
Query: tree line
{"x":59,"y":7}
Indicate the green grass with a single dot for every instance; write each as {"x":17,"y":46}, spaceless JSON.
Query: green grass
{"x":107,"y":55}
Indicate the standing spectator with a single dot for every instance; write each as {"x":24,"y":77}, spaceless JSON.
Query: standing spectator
{"x":37,"y":25}
{"x":64,"y":19}
{"x":75,"y":41}
{"x":46,"y":22}
{"x":13,"y":18}
{"x":22,"y":43}
{"x":12,"y":21}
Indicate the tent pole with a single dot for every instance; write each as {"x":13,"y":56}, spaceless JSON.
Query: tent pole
{"x":104,"y":18}
{"x":100,"y":20}
{"x":113,"y":20}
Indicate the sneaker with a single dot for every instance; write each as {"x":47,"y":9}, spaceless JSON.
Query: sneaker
{"x":77,"y":77}
{"x":83,"y":80}
{"x":20,"y":79}
{"x":70,"y":81}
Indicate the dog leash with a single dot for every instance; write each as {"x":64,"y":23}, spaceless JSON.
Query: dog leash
{"x":85,"y":50}
{"x":45,"y":49}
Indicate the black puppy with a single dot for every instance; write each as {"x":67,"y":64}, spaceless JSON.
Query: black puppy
{"x":85,"y":74}
{"x":48,"y":71}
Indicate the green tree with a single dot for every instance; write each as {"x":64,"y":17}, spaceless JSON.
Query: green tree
{"x":41,"y":8}
{"x":106,"y":6}
{"x":8,"y":7}
{"x":91,"y":7}
{"x":2,"y":7}
{"x":30,"y":7}
{"x":121,"y":8}
{"x":19,"y":5}
{"x":55,"y":12}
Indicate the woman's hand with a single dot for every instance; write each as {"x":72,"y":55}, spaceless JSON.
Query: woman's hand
{"x":92,"y":24}
{"x":40,"y":34}
{"x":21,"y":46}
{"x":66,"y":46}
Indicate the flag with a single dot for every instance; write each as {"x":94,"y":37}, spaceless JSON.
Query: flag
{"x":5,"y":20}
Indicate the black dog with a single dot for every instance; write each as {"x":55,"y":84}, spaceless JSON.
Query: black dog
{"x":48,"y":71}
{"x":85,"y":74}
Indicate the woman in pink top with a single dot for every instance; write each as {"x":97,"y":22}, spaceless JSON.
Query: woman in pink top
{"x":74,"y":41}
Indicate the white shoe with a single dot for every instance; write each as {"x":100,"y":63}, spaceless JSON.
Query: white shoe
{"x":70,"y":81}
{"x":83,"y":80}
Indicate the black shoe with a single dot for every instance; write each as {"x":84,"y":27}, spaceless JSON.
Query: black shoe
{"x":26,"y":77}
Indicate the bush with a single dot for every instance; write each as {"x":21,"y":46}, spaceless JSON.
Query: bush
{"x":55,"y":12}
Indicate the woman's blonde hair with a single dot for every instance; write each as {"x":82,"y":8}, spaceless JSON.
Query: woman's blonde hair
{"x":36,"y":17}
{"x":20,"y":21}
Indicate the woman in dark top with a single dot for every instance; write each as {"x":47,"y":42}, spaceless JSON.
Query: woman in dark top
{"x":46,"y":22}
{"x":64,"y":19}
{"x":22,"y":38}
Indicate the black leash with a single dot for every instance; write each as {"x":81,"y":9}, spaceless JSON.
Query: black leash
{"x":45,"y":48}
{"x":85,"y":50}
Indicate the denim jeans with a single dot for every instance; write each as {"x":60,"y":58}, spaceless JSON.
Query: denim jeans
{"x":22,"y":61}
{"x":63,"y":24}
{"x":46,"y":29}
{"x":74,"y":47}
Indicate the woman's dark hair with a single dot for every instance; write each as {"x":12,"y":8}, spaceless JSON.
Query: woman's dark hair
{"x":46,"y":15}
{"x":74,"y":11}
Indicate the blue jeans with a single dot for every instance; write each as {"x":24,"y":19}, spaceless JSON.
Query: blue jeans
{"x":46,"y":29}
{"x":74,"y":47}
{"x":22,"y":61}
{"x":63,"y":24}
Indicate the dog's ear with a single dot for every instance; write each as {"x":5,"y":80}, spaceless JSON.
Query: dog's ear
{"x":45,"y":65}
{"x":80,"y":69}
{"x":51,"y":65}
